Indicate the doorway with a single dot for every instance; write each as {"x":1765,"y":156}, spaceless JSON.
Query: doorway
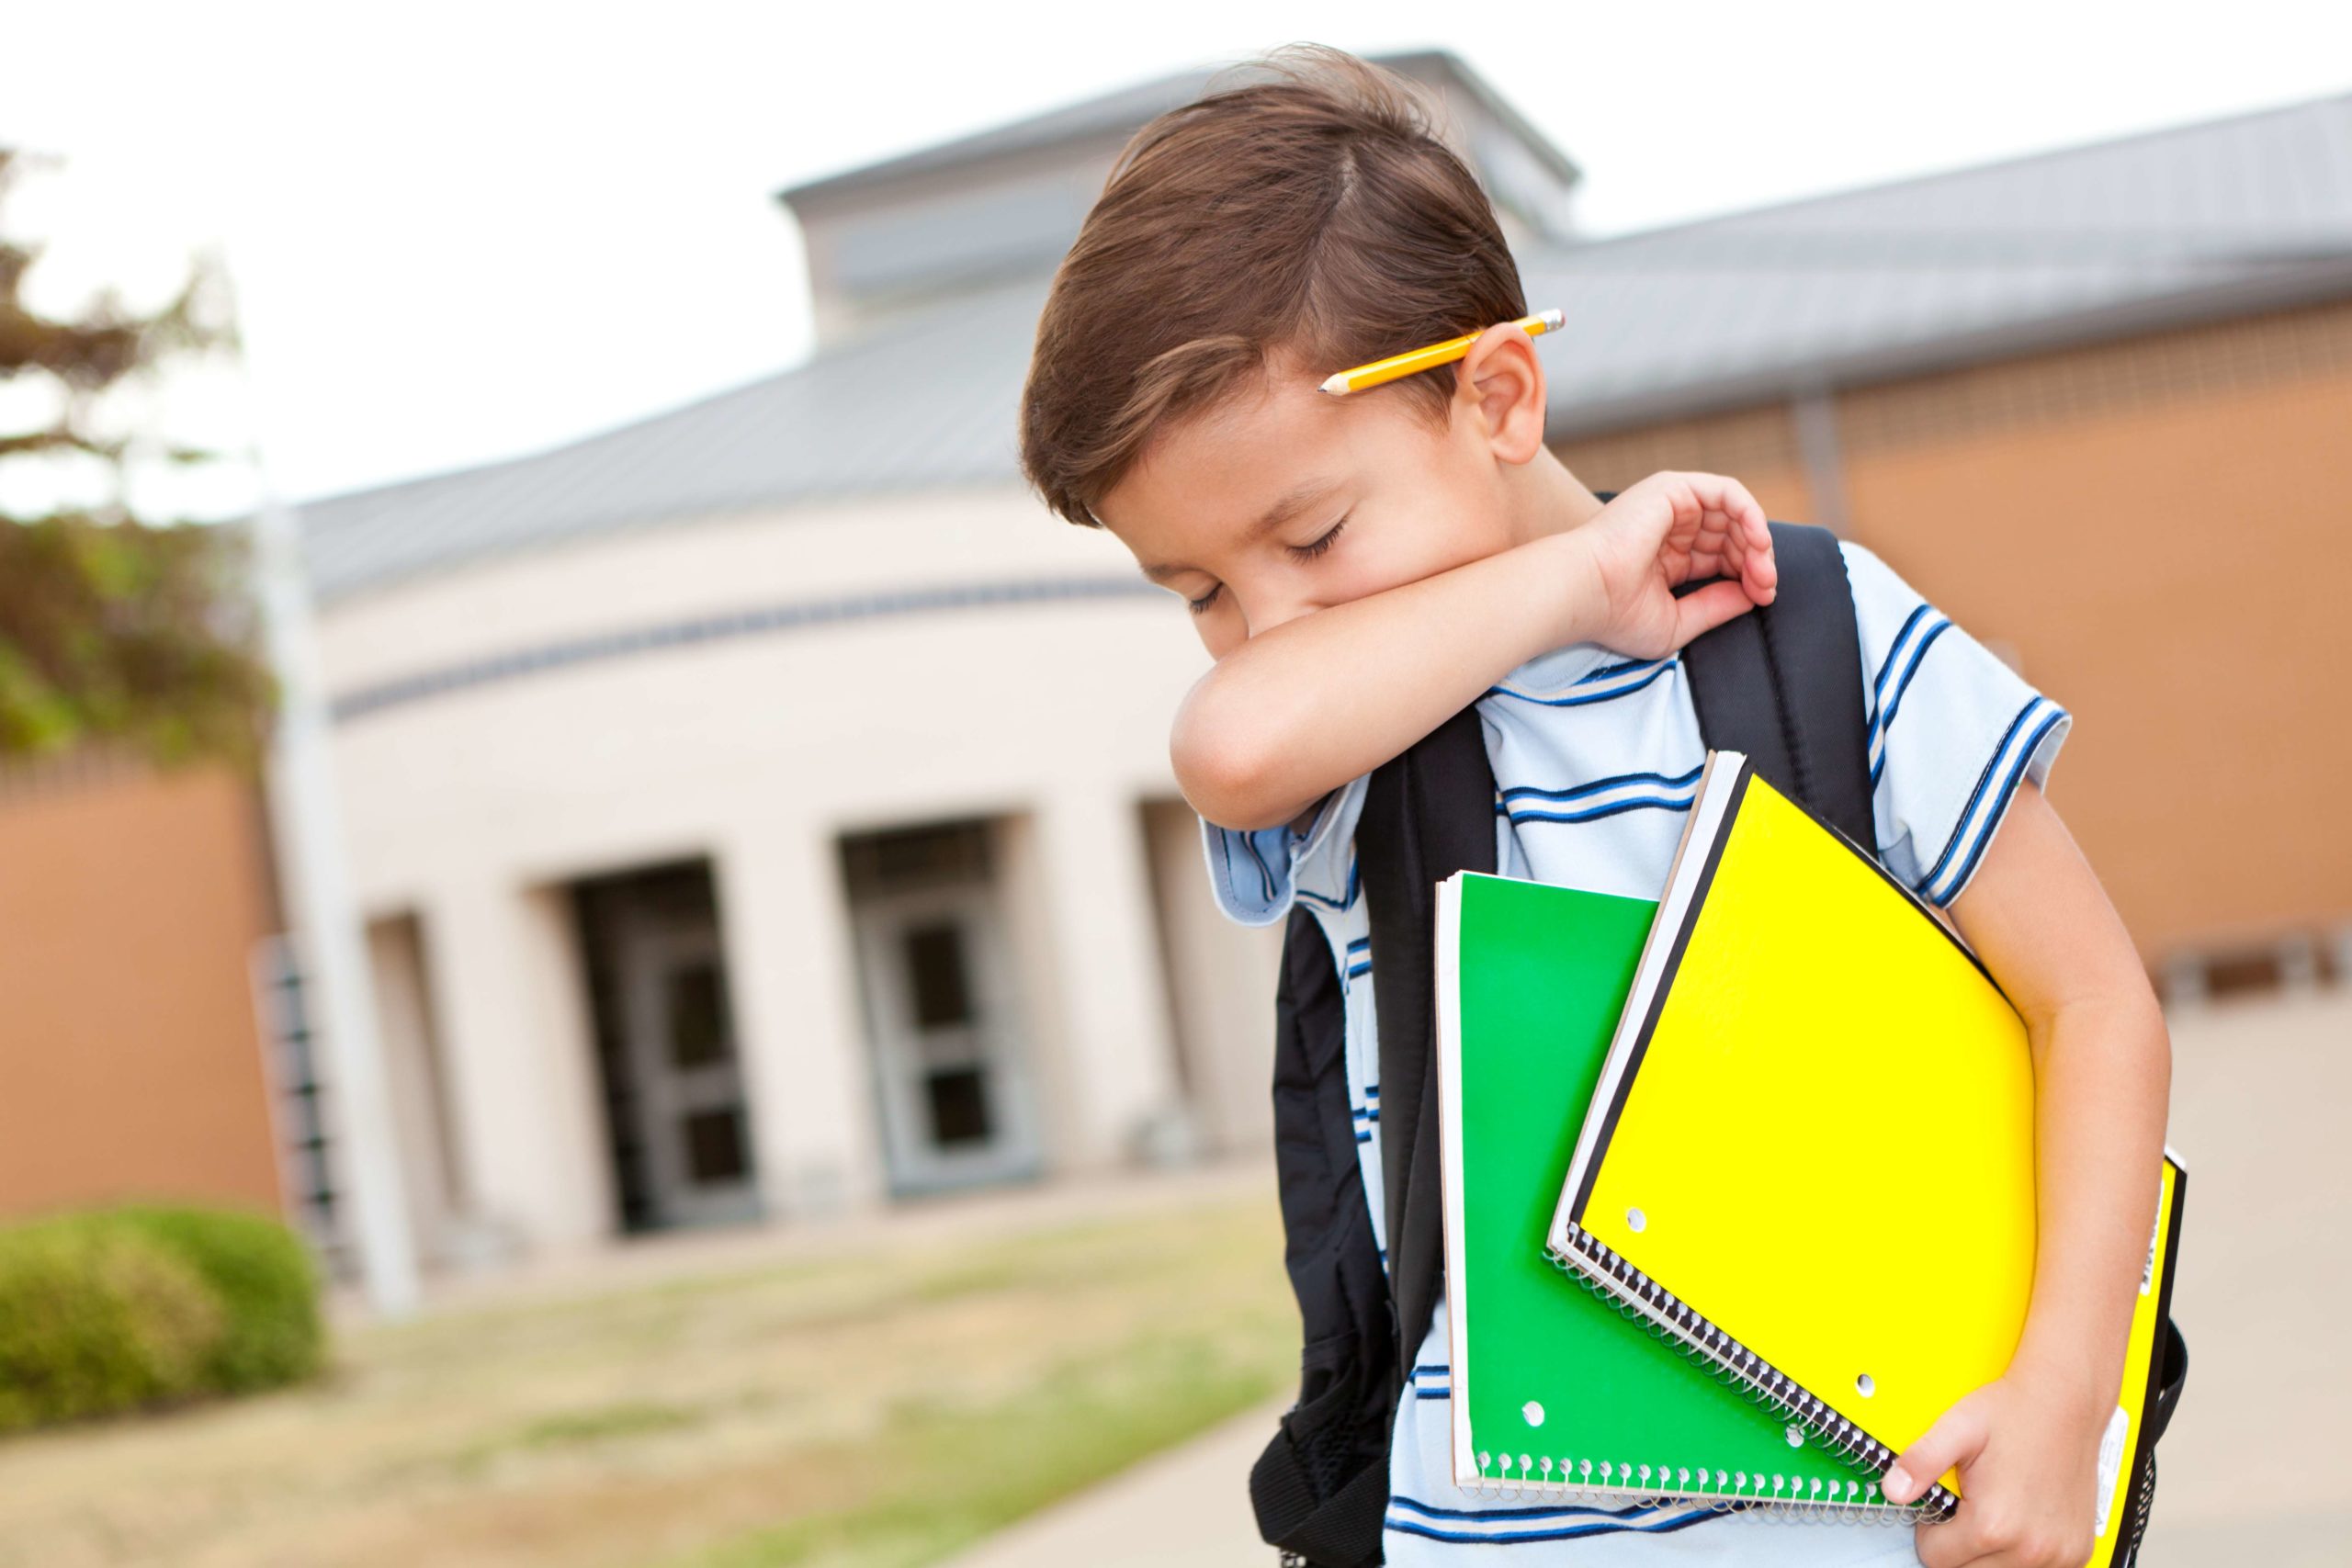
{"x":952,"y":1078}
{"x":665,"y":1029}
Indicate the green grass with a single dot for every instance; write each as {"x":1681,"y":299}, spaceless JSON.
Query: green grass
{"x":613,"y":1421}
{"x":952,"y":1475}
{"x":874,"y":1409}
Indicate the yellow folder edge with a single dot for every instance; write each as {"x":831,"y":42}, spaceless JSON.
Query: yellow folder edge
{"x":2126,"y":1445}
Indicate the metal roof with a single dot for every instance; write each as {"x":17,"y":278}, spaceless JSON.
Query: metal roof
{"x":1119,"y":113}
{"x":923,"y":403}
{"x":2193,"y":223}
{"x":2186,"y":223}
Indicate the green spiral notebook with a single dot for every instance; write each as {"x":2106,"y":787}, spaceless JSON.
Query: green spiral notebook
{"x":1554,"y":1392}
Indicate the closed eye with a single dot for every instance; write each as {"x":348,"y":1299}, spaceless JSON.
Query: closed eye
{"x":1310,"y":551}
{"x":1202,"y":606}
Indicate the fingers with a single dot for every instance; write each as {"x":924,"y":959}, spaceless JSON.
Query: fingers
{"x":1953,"y":1443}
{"x":1948,"y":1545}
{"x":1707,"y":608}
{"x":1734,"y":524}
{"x":1969,"y":1541}
{"x":1709,"y":525}
{"x":1761,"y":571}
{"x":1997,"y":1529}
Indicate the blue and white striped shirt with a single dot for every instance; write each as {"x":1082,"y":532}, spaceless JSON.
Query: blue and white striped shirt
{"x":1596,"y":760}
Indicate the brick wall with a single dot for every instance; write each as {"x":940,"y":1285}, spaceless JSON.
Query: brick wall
{"x":130,"y":1062}
{"x":2159,"y":530}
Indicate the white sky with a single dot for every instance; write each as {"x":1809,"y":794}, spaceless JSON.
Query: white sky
{"x":460,"y":232}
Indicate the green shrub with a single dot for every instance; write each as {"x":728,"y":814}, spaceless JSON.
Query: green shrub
{"x":263,"y":1275}
{"x":110,"y":1309}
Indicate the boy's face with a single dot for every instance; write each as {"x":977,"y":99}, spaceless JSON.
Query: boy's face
{"x":1282,"y":500}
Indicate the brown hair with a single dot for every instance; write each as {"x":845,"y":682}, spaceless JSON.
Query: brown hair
{"x":1315,"y":213}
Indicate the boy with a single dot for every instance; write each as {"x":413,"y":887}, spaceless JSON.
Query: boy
{"x":1361,"y":568}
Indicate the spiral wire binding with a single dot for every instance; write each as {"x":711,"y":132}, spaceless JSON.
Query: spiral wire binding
{"x":1774,"y":1497}
{"x":1600,"y":1269}
{"x":2143,"y":1503}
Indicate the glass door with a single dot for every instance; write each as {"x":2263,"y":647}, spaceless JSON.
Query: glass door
{"x":955,"y":1097}
{"x":679,"y":1035}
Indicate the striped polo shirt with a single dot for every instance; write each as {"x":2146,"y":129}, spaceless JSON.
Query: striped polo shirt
{"x":1596,"y":760}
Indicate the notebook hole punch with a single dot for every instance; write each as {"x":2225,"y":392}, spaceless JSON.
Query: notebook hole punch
{"x":1635,"y":1220}
{"x":1865,"y":1385}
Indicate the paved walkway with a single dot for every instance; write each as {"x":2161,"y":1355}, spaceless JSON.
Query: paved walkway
{"x":1188,"y":1507}
{"x":2257,"y":1468}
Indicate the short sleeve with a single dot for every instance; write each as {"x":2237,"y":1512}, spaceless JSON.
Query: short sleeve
{"x":1953,"y":730}
{"x":1256,"y":876}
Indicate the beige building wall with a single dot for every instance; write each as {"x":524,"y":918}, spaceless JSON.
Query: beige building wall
{"x":471,"y":808}
{"x":417,"y":1081}
{"x":1221,"y":987}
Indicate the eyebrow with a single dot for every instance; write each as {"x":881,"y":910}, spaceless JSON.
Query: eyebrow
{"x":1290,"y":505}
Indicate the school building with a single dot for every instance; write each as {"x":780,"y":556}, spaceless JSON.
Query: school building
{"x":762,"y":810}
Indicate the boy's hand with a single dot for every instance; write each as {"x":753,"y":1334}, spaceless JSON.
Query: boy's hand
{"x":2026,"y":1449}
{"x":1669,"y":529}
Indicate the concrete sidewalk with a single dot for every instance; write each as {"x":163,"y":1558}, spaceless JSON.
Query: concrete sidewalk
{"x":1188,"y":1507}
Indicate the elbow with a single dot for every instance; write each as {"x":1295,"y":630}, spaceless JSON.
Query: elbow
{"x":2141,"y":1016}
{"x":2122,"y":1025}
{"x":1228,"y":771}
{"x":2158,"y":1033}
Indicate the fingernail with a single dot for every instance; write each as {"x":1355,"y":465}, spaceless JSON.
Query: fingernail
{"x":1897,"y":1485}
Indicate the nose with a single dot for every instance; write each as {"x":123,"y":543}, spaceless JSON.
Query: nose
{"x":1281,"y":611}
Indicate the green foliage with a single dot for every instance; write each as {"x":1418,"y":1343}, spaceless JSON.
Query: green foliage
{"x":111,"y":1309}
{"x":130,"y":633}
{"x":112,"y":629}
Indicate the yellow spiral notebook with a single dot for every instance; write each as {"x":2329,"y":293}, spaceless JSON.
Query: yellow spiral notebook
{"x":1806,"y":1046}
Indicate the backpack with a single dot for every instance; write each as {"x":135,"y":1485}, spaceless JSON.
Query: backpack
{"x":1781,"y":682}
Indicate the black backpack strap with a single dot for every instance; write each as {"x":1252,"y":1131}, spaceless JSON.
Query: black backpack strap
{"x":1339,"y":1531}
{"x":1426,"y":814}
{"x":1320,"y":1488}
{"x":2173,"y":1353}
{"x":1783,"y":683}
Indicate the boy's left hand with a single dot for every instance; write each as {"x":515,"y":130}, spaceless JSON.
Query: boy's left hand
{"x":2026,"y":1449}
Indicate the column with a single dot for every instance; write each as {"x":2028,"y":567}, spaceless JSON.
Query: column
{"x":792,"y":974}
{"x":1117,"y":1034}
{"x":521,"y":1063}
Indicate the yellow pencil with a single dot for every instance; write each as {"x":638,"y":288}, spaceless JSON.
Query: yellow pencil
{"x":1340,"y":383}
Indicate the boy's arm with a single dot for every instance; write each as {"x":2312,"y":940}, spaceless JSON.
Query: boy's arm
{"x":2027,"y":1443}
{"x":1302,"y":709}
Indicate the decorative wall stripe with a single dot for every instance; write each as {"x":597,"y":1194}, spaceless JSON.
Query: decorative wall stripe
{"x":489,"y":670}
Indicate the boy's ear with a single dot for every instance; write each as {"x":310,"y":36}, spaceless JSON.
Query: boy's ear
{"x":1501,"y":383}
